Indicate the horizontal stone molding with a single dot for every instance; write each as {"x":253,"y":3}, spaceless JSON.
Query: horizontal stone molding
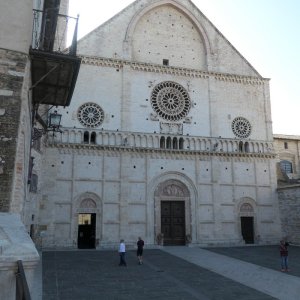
{"x":175,"y":71}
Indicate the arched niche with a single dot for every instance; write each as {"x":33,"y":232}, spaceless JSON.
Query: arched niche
{"x":247,"y":220}
{"x":171,"y":186}
{"x":87,"y":203}
{"x":166,"y":30}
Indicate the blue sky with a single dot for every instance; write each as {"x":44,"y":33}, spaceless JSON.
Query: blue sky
{"x":265,"y":32}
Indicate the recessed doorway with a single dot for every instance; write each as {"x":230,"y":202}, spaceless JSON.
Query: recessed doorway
{"x":247,"y":227}
{"x":173,"y":222}
{"x":86,"y":231}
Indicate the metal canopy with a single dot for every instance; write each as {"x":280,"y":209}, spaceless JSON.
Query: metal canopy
{"x":53,"y":77}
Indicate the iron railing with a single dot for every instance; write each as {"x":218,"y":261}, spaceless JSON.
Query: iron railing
{"x":54,"y":32}
{"x":22,"y":290}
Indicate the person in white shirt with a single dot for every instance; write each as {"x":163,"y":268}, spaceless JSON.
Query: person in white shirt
{"x":122,"y":250}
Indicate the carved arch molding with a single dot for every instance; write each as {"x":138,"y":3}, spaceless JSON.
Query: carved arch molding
{"x":88,"y":203}
{"x":247,"y":208}
{"x":172,"y":188}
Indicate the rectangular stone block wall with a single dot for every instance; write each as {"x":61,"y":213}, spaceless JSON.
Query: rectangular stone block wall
{"x":289,"y":205}
{"x":123,"y":181}
{"x":12,"y":68}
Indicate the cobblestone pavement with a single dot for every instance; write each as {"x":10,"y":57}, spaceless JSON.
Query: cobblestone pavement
{"x":93,"y":275}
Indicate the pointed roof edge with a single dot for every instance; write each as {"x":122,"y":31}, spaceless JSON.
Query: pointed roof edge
{"x":110,"y":19}
{"x":195,"y":7}
{"x":231,"y":45}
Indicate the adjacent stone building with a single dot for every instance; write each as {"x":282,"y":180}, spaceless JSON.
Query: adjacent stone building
{"x":14,"y":105}
{"x":288,"y":174}
{"x":288,"y":149}
{"x":15,"y":141}
{"x":168,"y":137}
{"x":31,"y":73}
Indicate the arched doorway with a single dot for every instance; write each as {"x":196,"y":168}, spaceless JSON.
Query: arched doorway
{"x":172,"y":199}
{"x":86,"y":220}
{"x":86,"y":231}
{"x":247,"y":222}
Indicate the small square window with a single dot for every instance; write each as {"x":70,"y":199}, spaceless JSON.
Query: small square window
{"x":286,"y":146}
{"x":286,"y":166}
{"x":165,"y":62}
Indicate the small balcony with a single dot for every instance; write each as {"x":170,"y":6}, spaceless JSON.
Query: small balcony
{"x":54,"y":66}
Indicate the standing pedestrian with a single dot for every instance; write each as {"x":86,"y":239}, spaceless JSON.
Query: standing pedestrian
{"x":284,"y":255}
{"x":122,"y":251}
{"x":140,"y":247}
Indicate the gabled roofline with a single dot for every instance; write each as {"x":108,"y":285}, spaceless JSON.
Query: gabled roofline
{"x":248,"y":63}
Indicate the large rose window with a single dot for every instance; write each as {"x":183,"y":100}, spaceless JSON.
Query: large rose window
{"x":170,"y":101}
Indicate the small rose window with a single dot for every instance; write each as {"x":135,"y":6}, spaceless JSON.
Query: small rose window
{"x":241,"y":127}
{"x":90,"y":115}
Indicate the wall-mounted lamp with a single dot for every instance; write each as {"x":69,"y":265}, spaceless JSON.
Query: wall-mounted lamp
{"x":54,"y":121}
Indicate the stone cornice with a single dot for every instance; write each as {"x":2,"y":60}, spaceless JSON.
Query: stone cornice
{"x":286,"y":137}
{"x":154,"y":68}
{"x":295,"y":186}
{"x":166,"y":153}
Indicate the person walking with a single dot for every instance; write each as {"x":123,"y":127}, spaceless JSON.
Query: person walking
{"x":122,"y":251}
{"x":140,"y":247}
{"x":284,"y":255}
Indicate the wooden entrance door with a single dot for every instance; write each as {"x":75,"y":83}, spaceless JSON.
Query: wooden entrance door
{"x":86,"y":231}
{"x":173,"y":222}
{"x":247,"y":229}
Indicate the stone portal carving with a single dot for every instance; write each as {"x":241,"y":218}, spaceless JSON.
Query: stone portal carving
{"x":173,"y":190}
{"x":246,"y":208}
{"x":88,"y":203}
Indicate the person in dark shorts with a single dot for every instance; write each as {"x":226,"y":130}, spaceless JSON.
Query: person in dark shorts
{"x":140,"y":247}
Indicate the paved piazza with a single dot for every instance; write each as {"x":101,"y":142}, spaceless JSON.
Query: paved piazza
{"x":171,"y":273}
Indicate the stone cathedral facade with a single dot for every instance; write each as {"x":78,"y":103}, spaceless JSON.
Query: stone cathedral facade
{"x":168,"y":137}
